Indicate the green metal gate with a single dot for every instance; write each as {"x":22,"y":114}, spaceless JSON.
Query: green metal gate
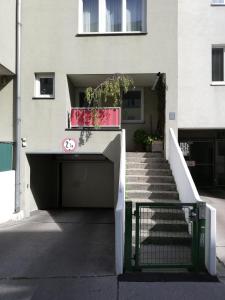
{"x":164,"y":235}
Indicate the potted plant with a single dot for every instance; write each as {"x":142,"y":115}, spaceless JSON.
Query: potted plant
{"x":140,"y":136}
{"x":153,"y":143}
{"x":157,"y":144}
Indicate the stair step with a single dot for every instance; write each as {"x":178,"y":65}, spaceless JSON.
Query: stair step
{"x":150,"y":179}
{"x":140,"y":194}
{"x":142,"y":200}
{"x":161,"y":225}
{"x":168,"y":238}
{"x":149,"y":172}
{"x":150,"y":186}
{"x":146,"y":159}
{"x":153,"y":165}
{"x":144,"y":154}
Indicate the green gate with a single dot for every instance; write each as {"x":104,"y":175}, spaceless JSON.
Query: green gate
{"x":6,"y":156}
{"x":164,"y":235}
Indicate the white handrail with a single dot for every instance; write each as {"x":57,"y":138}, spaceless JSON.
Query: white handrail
{"x":120,"y":208}
{"x":185,"y":184}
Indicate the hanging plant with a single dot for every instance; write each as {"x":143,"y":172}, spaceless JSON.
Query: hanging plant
{"x":110,"y":91}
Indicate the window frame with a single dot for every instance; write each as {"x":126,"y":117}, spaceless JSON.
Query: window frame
{"x":220,"y":46}
{"x":141,"y":121}
{"x":102,"y":21}
{"x":37,"y":77}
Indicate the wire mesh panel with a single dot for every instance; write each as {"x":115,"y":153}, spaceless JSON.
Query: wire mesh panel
{"x":164,"y":235}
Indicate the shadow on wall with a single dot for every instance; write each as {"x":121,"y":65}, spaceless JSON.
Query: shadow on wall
{"x":44,"y":180}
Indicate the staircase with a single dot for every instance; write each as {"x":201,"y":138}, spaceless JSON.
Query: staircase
{"x":149,"y":180}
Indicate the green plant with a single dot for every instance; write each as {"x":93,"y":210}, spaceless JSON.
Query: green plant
{"x":140,"y":136}
{"x":110,"y":91}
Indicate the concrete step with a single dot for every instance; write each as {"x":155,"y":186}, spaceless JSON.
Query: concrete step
{"x":162,"y":225}
{"x":149,"y":179}
{"x":144,"y":200}
{"x":149,"y":172}
{"x":144,"y":154}
{"x":150,"y":186}
{"x":140,"y":194}
{"x":146,"y":160}
{"x":153,"y":165}
{"x":168,"y":238}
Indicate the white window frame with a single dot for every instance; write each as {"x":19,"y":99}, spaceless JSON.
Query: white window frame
{"x":141,"y":89}
{"x":38,"y":76}
{"x":102,"y":19}
{"x":218,"y":82}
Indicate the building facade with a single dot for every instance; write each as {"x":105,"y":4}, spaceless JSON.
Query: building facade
{"x":69,"y":46}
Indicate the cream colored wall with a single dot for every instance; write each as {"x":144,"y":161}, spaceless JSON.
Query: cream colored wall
{"x":201,"y":25}
{"x":8,"y":35}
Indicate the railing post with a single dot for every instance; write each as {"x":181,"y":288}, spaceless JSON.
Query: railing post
{"x":128,"y":237}
{"x":201,"y":235}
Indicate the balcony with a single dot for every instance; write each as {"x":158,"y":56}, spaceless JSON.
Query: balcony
{"x":107,"y":117}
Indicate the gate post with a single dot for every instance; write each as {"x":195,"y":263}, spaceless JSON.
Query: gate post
{"x":128,"y":237}
{"x":201,"y":235}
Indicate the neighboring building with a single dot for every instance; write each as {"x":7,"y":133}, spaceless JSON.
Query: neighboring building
{"x":7,"y":107}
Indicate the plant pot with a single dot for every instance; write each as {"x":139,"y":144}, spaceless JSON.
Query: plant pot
{"x":157,"y":146}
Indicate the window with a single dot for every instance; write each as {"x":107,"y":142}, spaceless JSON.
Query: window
{"x":133,"y":107}
{"x":44,"y":85}
{"x":112,"y":16}
{"x":218,"y":64}
{"x":218,"y":2}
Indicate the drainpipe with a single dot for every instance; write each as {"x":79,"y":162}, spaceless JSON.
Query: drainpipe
{"x":18,"y":104}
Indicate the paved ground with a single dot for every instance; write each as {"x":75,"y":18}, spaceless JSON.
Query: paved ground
{"x":70,"y":255}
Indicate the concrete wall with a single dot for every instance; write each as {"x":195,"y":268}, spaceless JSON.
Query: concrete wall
{"x":6,"y":112}
{"x":201,"y":25}
{"x":7,"y":195}
{"x":7,"y":36}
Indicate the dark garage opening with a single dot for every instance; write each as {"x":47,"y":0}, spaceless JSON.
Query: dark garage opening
{"x":60,"y":181}
{"x":76,"y":193}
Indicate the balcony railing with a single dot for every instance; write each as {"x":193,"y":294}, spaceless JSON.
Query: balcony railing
{"x":107,"y":117}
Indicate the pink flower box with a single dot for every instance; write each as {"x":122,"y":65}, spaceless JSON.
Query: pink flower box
{"x":105,"y":117}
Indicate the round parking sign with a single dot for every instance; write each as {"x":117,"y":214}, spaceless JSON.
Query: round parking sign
{"x":69,"y":145}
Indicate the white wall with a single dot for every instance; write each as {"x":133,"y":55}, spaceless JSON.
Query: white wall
{"x":7,"y":195}
{"x":189,"y":194}
{"x":200,"y":25}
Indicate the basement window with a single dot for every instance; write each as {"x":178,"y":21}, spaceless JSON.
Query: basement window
{"x":112,"y":16}
{"x":44,"y":85}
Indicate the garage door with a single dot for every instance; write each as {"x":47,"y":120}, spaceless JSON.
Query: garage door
{"x":87,"y":184}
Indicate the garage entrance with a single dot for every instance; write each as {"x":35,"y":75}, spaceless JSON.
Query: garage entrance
{"x":77,"y":192}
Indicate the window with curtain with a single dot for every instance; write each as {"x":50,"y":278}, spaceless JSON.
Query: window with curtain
{"x":113,"y":15}
{"x":104,"y":16}
{"x":218,"y":64}
{"x":90,"y":15}
{"x":134,"y":15}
